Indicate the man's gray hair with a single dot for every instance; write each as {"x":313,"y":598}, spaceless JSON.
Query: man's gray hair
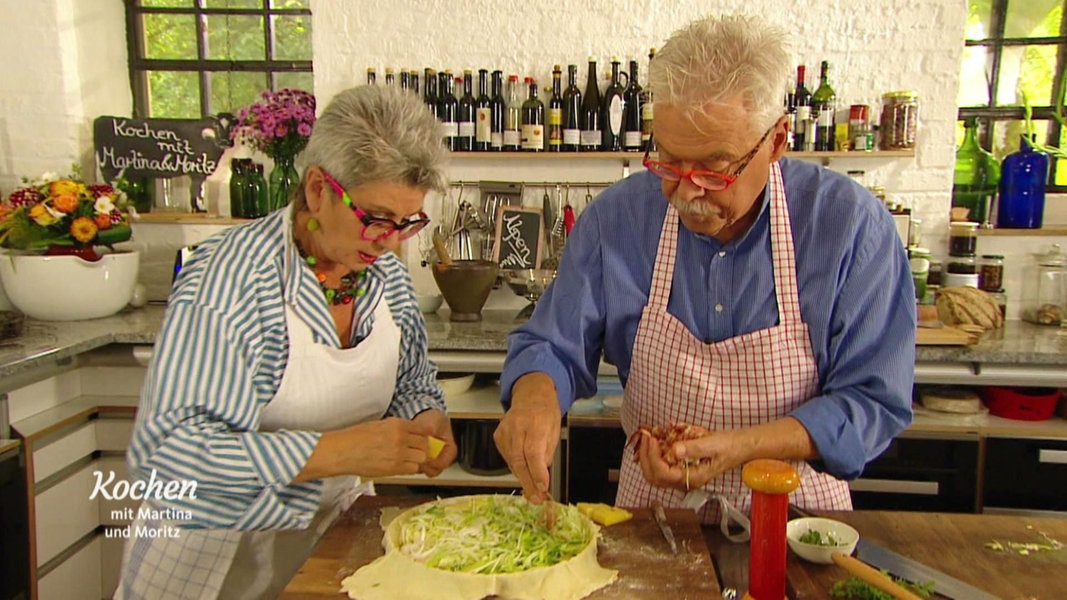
{"x":717,"y":58}
{"x":376,"y":133}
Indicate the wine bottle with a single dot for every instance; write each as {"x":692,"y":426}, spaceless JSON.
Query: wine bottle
{"x":447,"y":107}
{"x":822,"y":110}
{"x":554,"y":124}
{"x":591,"y":136}
{"x":405,"y":80}
{"x":533,"y":120}
{"x":612,"y":109}
{"x":483,"y":114}
{"x":429,"y":90}
{"x":465,"y":118}
{"x":498,"y":112}
{"x":631,"y":112}
{"x":513,"y":116}
{"x":572,"y":111}
{"x":801,"y":98}
{"x":647,"y":114}
{"x":389,"y":78}
{"x":372,"y":77}
{"x":413,"y":81}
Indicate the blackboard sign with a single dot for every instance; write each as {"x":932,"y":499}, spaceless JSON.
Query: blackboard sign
{"x":164,"y":148}
{"x":517,"y":242}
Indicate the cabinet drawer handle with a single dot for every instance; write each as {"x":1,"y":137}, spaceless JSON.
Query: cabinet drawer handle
{"x":613,"y":475}
{"x":1052,"y":457}
{"x":895,"y":486}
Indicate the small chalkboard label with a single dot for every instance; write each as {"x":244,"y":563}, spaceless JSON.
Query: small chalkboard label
{"x":163,"y":148}
{"x":519,"y":233}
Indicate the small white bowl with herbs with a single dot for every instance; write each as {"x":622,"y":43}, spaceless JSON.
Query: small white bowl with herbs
{"x":815,"y":539}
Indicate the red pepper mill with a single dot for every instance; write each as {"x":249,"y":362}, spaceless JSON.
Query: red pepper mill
{"x":770,"y":481}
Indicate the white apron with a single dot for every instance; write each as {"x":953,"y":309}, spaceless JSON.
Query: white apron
{"x":322,"y":389}
{"x":739,"y":382}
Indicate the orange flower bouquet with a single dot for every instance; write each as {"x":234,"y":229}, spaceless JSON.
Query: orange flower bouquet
{"x":63,"y":215}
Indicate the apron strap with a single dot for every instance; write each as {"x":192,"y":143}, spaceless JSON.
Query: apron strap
{"x":663,"y":272}
{"x":783,"y":254}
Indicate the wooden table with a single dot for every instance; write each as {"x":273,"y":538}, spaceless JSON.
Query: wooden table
{"x":951,"y":543}
{"x":647,"y":569}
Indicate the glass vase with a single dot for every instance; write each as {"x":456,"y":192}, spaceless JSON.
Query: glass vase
{"x":282,"y":178}
{"x":975,"y":179}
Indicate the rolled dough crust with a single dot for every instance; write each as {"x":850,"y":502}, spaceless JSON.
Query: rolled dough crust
{"x":396,"y":575}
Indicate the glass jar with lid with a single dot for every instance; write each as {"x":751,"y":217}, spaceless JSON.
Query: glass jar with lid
{"x":900,"y":120}
{"x":1044,"y":288}
{"x":962,"y":238}
{"x":991,"y":272}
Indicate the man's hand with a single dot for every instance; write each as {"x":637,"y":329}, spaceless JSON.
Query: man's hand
{"x":528,"y":433}
{"x":691,"y":472}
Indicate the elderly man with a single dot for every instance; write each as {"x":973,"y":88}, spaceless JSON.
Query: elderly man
{"x":765,"y":301}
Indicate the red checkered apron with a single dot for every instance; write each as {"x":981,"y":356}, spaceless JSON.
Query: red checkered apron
{"x":739,"y":382}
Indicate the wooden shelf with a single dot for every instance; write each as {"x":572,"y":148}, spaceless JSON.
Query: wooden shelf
{"x":476,"y":403}
{"x":1043,"y":232}
{"x":639,"y":155}
{"x":455,"y":476}
{"x":187,"y":218}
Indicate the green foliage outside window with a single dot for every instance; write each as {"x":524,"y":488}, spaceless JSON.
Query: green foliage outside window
{"x":174,"y":78}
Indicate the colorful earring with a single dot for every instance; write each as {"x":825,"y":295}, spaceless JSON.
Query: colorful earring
{"x":313,"y":224}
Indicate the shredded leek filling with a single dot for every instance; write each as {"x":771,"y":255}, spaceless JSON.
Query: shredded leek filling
{"x":492,"y":535}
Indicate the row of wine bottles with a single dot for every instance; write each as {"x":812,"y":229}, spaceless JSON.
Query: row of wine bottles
{"x":811,"y":115}
{"x":510,"y":118}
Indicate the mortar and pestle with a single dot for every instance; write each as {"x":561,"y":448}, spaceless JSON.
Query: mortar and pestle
{"x":465,"y":284}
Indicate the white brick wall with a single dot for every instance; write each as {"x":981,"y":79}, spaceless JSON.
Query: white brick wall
{"x":65,"y":63}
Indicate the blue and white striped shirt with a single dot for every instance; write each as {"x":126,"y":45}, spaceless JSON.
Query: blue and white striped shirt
{"x":856,"y":295}
{"x":219,"y":359}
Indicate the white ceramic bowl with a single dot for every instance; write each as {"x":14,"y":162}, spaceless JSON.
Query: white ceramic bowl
{"x":453,"y":384}
{"x":429,"y":303}
{"x":846,"y":536}
{"x":67,"y":288}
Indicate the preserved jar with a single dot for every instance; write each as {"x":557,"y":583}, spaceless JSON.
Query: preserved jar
{"x":962,"y":238}
{"x":1043,"y":288}
{"x":991,"y":273}
{"x":900,"y":120}
{"x":962,"y":265}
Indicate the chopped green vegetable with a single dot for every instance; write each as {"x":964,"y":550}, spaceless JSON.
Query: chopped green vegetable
{"x":493,"y":534}
{"x":815,"y":538}
{"x":857,"y":589}
{"x":1025,"y":548}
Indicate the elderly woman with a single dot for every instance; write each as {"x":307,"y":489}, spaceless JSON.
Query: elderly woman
{"x":291,"y":363}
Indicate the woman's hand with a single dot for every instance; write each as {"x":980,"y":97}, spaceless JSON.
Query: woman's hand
{"x":391,"y":446}
{"x":529,"y":433}
{"x":441,"y":428}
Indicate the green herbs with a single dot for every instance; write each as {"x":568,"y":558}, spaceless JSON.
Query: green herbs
{"x":815,"y":538}
{"x":857,"y":589}
{"x":493,"y":534}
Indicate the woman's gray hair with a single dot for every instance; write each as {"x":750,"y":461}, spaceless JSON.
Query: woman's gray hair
{"x":717,"y":58}
{"x":376,"y":133}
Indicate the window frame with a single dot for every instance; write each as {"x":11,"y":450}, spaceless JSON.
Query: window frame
{"x":992,"y":113}
{"x":140,"y":66}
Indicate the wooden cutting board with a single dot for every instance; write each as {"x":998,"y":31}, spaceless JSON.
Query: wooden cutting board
{"x":647,"y":569}
{"x":943,"y":336}
{"x":951,"y":543}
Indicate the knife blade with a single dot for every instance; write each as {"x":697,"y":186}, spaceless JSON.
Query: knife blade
{"x":664,"y":528}
{"x":916,"y":572}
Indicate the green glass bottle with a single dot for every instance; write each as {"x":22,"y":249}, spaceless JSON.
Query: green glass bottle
{"x":975,"y":179}
{"x":823,"y":106}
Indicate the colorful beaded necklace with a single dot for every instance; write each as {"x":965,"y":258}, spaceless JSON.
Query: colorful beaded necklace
{"x":353,"y":284}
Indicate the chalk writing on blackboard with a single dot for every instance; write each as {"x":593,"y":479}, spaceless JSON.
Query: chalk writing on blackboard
{"x":134,"y":148}
{"x":517,"y":243}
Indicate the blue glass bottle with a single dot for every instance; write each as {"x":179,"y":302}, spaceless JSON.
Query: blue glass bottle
{"x":1022,"y":187}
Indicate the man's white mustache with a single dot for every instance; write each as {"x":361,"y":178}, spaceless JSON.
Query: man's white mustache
{"x":697,"y":208}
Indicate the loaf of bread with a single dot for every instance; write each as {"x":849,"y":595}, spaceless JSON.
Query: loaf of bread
{"x":964,"y":305}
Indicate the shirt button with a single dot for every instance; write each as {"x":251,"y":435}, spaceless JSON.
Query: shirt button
{"x":718,"y":308}
{"x":722,"y":252}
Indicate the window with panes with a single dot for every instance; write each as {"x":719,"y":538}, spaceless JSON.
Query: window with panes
{"x":1015,"y":54}
{"x":193,"y":58}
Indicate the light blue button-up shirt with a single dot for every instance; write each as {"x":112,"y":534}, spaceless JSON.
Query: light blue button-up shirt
{"x":856,"y":295}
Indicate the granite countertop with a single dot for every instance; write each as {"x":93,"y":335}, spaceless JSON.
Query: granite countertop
{"x":45,"y":342}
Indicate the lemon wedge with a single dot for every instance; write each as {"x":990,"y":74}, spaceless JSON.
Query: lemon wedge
{"x":436,"y":446}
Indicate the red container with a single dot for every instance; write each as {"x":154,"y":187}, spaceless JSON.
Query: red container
{"x":1022,"y":403}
